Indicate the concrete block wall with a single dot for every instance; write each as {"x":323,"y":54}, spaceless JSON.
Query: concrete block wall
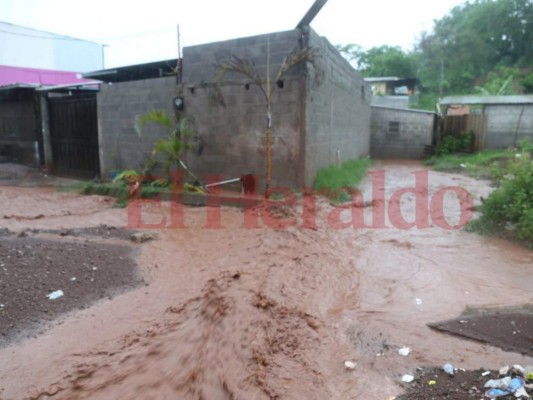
{"x":337,"y":112}
{"x":234,"y":134}
{"x":502,"y":122}
{"x":415,"y":132}
{"x":118,"y":105}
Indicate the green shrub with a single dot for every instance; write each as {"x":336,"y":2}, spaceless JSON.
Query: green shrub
{"x":456,"y":144}
{"x":510,"y":208}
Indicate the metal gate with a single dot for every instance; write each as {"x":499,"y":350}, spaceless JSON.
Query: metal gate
{"x":74,"y":135}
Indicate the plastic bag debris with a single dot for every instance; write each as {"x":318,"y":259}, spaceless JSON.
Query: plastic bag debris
{"x":495,"y":393}
{"x":418,"y":302}
{"x":448,"y":368}
{"x":404,"y":351}
{"x":408,"y":378}
{"x":499,"y":383}
{"x":55,"y":295}
{"x":505,"y":386}
{"x":521,"y":393}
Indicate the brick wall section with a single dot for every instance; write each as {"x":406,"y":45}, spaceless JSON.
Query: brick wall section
{"x":118,"y":105}
{"x":337,"y":112}
{"x":502,"y":121}
{"x":415,"y":130}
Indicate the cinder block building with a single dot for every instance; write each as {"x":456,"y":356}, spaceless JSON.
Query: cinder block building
{"x":315,"y":122}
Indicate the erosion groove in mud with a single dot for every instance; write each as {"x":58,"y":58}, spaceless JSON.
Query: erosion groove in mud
{"x":229,"y":343}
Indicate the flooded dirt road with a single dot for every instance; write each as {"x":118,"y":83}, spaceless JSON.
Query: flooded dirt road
{"x":240,"y":310}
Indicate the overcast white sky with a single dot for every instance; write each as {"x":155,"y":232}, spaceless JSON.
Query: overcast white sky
{"x":143,"y":31}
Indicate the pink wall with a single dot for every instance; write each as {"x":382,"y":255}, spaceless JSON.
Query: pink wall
{"x":14,"y":75}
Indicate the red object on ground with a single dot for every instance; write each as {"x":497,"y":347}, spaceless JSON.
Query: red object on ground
{"x":248,"y":183}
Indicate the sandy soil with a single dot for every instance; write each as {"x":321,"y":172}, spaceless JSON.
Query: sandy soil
{"x":263,"y":313}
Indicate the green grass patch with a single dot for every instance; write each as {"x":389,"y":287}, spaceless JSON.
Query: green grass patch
{"x":336,"y":181}
{"x":486,"y":164}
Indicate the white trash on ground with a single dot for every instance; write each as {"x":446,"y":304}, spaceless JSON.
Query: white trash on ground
{"x":55,"y":295}
{"x":404,"y":351}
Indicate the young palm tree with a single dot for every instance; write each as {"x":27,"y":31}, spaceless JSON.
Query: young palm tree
{"x":245,"y":67}
{"x":172,"y":147}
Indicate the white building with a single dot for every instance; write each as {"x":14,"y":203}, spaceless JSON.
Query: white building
{"x":31,"y":48}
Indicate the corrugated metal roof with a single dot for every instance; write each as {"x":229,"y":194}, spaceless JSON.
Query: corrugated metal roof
{"x":156,"y":69}
{"x":463,"y":100}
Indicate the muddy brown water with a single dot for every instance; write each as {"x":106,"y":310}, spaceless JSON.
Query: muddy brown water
{"x":239,"y":313}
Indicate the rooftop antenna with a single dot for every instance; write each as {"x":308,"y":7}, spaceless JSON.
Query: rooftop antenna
{"x":311,"y":13}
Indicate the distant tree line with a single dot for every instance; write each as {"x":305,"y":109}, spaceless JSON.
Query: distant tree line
{"x":481,"y":47}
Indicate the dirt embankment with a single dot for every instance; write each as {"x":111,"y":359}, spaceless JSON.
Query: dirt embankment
{"x":253,"y":312}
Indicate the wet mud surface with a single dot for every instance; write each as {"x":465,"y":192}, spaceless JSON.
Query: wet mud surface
{"x":435,"y":384}
{"x":246,"y":309}
{"x":33,"y":267}
{"x":511,"y":331}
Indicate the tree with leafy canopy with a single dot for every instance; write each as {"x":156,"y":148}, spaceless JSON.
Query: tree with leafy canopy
{"x":475,"y":48}
{"x":474,"y":39}
{"x":380,"y":61}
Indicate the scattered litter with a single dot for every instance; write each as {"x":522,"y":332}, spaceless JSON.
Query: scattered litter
{"x":404,"y":351}
{"x":463,"y":165}
{"x":55,"y":295}
{"x":499,"y":383}
{"x":506,"y":386}
{"x":418,"y":302}
{"x":350,"y":365}
{"x":448,"y":368}
{"x":73,"y":279}
{"x":487,"y":373}
{"x":408,"y":378}
{"x":432,"y":382}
